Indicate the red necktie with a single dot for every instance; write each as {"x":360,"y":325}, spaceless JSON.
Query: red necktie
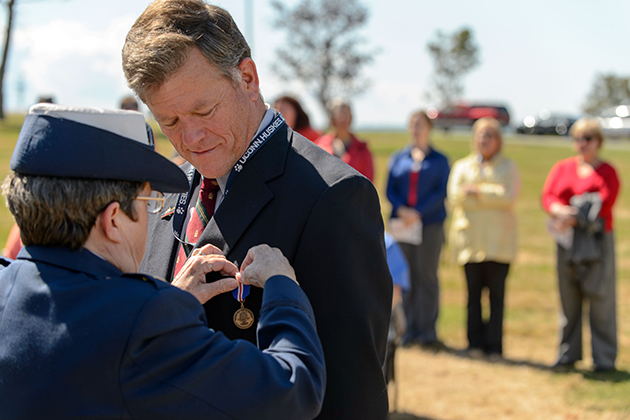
{"x":198,"y":219}
{"x":412,"y":197}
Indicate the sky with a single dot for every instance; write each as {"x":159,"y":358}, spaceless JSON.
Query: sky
{"x":538,"y":54}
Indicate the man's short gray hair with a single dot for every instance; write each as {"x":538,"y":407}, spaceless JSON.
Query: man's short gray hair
{"x":160,"y":41}
{"x":60,"y":212}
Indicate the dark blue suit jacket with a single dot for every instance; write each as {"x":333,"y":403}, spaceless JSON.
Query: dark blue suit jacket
{"x":431,"y":191}
{"x":80,"y":339}
{"x":326,"y":219}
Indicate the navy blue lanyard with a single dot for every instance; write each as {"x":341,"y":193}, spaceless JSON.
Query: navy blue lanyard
{"x":262,"y":137}
{"x":179,"y":216}
{"x":194,"y":176}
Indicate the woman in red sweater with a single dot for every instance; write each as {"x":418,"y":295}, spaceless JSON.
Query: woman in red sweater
{"x":585,"y":276}
{"x":343,"y":144}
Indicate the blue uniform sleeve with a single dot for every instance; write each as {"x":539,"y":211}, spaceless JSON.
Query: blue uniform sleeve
{"x":397,"y":263}
{"x":175,"y":367}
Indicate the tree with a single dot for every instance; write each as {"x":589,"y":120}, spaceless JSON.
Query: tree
{"x":5,"y":53}
{"x":608,"y":90}
{"x":322,"y":48}
{"x":453,"y":56}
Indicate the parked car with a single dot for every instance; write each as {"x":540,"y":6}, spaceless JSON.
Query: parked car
{"x":466,"y":115}
{"x":615,"y":121}
{"x":546,"y":123}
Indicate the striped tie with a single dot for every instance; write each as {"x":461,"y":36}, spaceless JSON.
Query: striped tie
{"x":198,"y":220}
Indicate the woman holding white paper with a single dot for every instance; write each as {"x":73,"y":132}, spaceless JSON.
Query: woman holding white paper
{"x":482,"y":190}
{"x":416,"y":189}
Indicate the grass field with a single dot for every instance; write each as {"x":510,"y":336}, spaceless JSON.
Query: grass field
{"x":447,"y":385}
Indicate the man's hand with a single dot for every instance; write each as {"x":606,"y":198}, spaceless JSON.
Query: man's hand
{"x":192,"y":277}
{"x":263,"y":262}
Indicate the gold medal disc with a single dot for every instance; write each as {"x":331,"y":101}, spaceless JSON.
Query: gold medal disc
{"x":243,"y":318}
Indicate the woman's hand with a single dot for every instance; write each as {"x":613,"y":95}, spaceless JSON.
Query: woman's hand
{"x":471,"y":189}
{"x":408,"y":215}
{"x":563,"y":216}
{"x":192,"y":276}
{"x":263,"y":262}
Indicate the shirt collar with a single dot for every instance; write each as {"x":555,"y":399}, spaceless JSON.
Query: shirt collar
{"x":82,"y":260}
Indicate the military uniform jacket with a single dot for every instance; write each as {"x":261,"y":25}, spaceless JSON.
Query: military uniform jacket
{"x":80,"y":339}
{"x":326,"y":219}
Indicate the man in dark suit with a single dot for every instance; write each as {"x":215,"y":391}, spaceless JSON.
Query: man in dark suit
{"x":192,"y":67}
{"x":85,"y":337}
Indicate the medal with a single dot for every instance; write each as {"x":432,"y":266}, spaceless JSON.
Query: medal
{"x":243,"y":317}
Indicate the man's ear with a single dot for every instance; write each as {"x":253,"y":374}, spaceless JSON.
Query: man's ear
{"x":249,"y":77}
{"x":108,"y":222}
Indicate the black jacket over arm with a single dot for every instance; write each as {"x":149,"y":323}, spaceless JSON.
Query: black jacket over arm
{"x":325,"y":217}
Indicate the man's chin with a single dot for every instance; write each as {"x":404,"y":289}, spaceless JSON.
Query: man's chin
{"x":211,"y":169}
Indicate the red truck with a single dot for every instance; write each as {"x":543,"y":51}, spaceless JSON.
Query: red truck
{"x":466,"y":115}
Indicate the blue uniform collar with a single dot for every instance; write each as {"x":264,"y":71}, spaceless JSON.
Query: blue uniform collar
{"x":81,"y":261}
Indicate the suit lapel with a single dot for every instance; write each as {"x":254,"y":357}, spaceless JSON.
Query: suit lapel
{"x":248,"y":195}
{"x":246,"y":199}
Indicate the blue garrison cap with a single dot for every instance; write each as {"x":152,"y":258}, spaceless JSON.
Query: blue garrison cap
{"x":73,"y":142}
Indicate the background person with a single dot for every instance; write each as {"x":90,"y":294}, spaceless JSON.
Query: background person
{"x":339,"y":141}
{"x":14,"y":243}
{"x":98,"y":340}
{"x":416,"y":188}
{"x":129,"y":103}
{"x":585,"y":280}
{"x":285,"y":191}
{"x":482,"y":191}
{"x":296,"y":117}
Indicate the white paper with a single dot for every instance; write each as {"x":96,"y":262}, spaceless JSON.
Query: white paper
{"x":564,"y":238}
{"x":411,"y":234}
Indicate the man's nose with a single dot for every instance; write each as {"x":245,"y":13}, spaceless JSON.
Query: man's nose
{"x":192,"y":132}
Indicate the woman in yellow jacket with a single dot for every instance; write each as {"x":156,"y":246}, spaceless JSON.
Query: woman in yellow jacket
{"x":482,"y":190}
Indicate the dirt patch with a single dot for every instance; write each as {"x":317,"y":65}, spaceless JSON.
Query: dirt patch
{"x":450,"y":386}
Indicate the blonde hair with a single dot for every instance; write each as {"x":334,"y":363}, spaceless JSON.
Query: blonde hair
{"x":487,"y":123}
{"x":587,"y":126}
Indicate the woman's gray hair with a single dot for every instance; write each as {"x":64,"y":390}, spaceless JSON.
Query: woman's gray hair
{"x":60,"y":212}
{"x":160,"y":40}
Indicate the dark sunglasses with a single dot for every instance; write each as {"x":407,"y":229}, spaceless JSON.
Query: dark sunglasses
{"x":585,"y":138}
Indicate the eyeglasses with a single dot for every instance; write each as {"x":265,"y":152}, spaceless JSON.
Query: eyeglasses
{"x":155,"y":201}
{"x":585,"y":138}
